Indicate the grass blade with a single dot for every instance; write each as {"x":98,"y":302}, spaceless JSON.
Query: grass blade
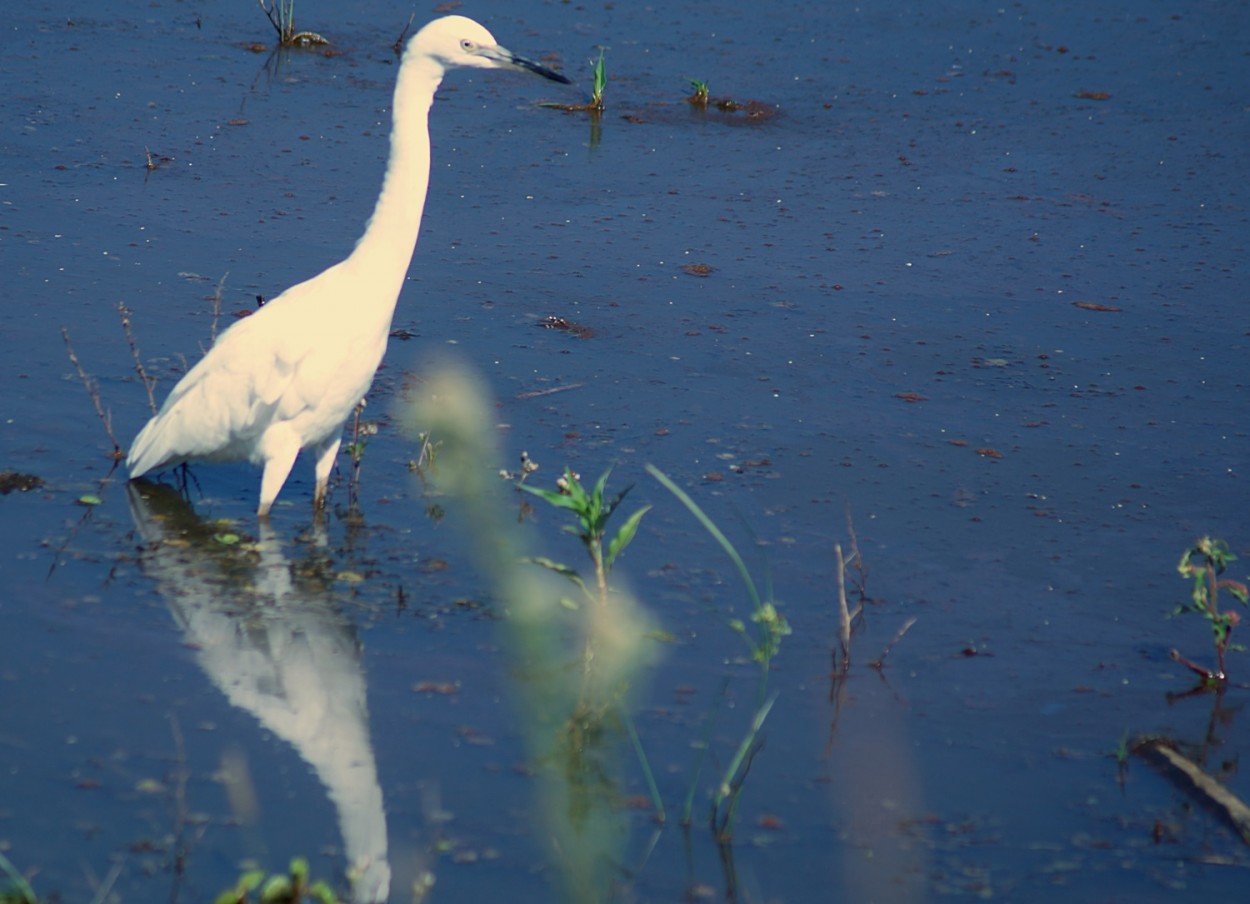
{"x":710,"y":527}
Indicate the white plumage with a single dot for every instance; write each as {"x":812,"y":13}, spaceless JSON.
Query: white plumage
{"x":286,"y":378}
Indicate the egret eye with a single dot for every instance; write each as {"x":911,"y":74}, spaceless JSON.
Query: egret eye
{"x":467,"y":46}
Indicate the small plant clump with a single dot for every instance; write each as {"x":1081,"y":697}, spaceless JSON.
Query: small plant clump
{"x":290,"y":888}
{"x":599,"y":82}
{"x":1202,"y":564}
{"x":282,"y":16}
{"x":600,"y":76}
{"x":592,"y":513}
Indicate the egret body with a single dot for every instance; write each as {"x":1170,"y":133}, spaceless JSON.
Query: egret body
{"x":286,"y":378}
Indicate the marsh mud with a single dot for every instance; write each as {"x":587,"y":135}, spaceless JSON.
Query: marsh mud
{"x":1017,"y":230}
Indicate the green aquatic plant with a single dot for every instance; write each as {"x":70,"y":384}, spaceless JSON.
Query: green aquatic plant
{"x":764,"y":643}
{"x":293,"y":887}
{"x":1202,"y":564}
{"x":576,"y":666}
{"x":771,"y":625}
{"x":592,"y":513}
{"x":16,"y":890}
{"x":599,"y":74}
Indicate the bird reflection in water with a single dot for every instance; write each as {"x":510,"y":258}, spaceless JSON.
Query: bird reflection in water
{"x":277,"y":647}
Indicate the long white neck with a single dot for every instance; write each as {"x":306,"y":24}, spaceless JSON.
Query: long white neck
{"x":383,"y":253}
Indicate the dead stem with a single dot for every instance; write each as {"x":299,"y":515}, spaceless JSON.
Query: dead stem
{"x":287,"y":35}
{"x":398,"y":46}
{"x":844,"y":615}
{"x":1204,"y":785}
{"x":879,"y":662}
{"x":93,"y":390}
{"x":1206,"y":674}
{"x":857,"y":560}
{"x":149,"y":383}
{"x":221,"y":283}
{"x":357,"y":448}
{"x":182,"y":812}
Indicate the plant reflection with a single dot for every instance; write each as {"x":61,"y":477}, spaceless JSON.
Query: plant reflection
{"x":272,"y":639}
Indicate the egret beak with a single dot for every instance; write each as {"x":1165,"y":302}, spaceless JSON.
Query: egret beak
{"x":506,"y":59}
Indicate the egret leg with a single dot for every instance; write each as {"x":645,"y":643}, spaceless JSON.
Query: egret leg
{"x":278,"y":463}
{"x":325,"y":453}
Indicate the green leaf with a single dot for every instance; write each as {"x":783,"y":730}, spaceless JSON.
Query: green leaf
{"x":323,"y":893}
{"x":711,"y":528}
{"x":616,"y":500}
{"x":299,"y":870}
{"x":558,"y":499}
{"x":565,"y":570}
{"x":89,"y":499}
{"x":625,"y":534}
{"x":275,"y":890}
{"x":576,"y":491}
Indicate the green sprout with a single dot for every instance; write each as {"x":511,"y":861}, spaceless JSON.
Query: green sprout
{"x":772,"y":624}
{"x":764,"y":645}
{"x":600,"y":74}
{"x":292,"y":888}
{"x":1202,"y":564}
{"x":592,"y":514}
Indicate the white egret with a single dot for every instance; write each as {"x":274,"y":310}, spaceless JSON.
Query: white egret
{"x":286,"y":378}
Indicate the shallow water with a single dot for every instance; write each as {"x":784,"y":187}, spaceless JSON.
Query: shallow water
{"x":906,"y":314}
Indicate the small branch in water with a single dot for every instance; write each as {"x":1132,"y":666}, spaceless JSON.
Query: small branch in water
{"x":149,"y":383}
{"x":282,"y":19}
{"x":879,"y":662}
{"x":221,"y":283}
{"x":93,"y":390}
{"x":844,"y":615}
{"x":536,"y":393}
{"x":1208,"y":676}
{"x":398,"y":46}
{"x":1204,"y":785}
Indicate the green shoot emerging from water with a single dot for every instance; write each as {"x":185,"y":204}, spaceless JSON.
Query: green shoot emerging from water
{"x":1203,"y":564}
{"x":592,"y":514}
{"x":772,"y":624}
{"x":764,"y":645}
{"x":600,"y":82}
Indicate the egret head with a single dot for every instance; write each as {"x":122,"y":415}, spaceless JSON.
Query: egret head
{"x":459,"y":41}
